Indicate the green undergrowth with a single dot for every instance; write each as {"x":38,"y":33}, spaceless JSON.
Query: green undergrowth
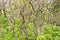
{"x":50,"y":32}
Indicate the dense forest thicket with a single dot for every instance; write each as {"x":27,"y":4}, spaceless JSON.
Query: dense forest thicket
{"x":29,"y":19}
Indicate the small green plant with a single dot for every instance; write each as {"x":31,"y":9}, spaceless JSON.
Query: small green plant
{"x":51,"y":32}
